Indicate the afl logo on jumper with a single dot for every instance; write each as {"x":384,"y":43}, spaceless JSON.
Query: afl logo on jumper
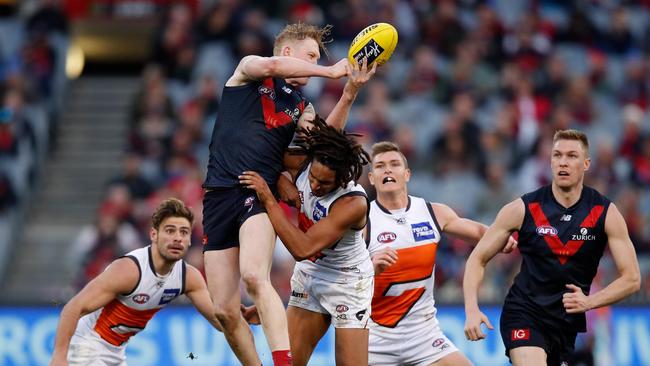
{"x":265,"y":91}
{"x":342,"y":308}
{"x":546,"y":230}
{"x":386,"y":237}
{"x":140,"y":298}
{"x":423,"y":231}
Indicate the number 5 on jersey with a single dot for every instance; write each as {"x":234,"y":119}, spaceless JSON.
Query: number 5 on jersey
{"x":398,"y":289}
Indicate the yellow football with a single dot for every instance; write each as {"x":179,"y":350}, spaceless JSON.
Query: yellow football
{"x":376,"y":42}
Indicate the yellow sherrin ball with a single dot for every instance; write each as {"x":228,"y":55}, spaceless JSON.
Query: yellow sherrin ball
{"x":376,"y":42}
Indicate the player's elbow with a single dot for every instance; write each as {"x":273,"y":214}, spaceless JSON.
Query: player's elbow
{"x":301,"y":255}
{"x":635,"y":283}
{"x":266,"y":67}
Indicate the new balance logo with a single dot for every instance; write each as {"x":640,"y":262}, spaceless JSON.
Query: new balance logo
{"x":565,"y":218}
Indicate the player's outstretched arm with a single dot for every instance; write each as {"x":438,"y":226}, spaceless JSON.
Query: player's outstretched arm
{"x":466,"y":229}
{"x":253,"y":68}
{"x":121,"y":277}
{"x":629,"y":279}
{"x":508,"y":220}
{"x":197,"y":291}
{"x":450,"y":223}
{"x":358,"y":76}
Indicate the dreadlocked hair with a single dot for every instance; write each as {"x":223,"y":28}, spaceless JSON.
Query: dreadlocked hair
{"x":334,"y":148}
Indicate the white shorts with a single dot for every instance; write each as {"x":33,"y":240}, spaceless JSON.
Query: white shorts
{"x":347,"y":303}
{"x":396,"y":346}
{"x":95,"y":352}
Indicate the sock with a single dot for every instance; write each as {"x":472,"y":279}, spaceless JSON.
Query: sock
{"x":282,"y":357}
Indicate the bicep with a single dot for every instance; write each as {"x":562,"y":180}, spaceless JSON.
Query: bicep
{"x":342,"y":217}
{"x":619,"y":242}
{"x":120,"y":277}
{"x":457,"y":226}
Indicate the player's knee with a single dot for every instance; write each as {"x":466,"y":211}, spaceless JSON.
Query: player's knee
{"x":226,"y":315}
{"x":254,"y":282}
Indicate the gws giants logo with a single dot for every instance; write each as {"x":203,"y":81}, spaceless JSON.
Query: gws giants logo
{"x":386,"y":237}
{"x":140,"y":298}
{"x":267,"y":92}
{"x":319,"y":211}
{"x":584,"y":235}
{"x":546,"y":230}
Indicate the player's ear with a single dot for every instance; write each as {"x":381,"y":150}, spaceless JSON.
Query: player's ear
{"x":153,"y":235}
{"x":407,"y":175}
{"x":286,"y":50}
{"x":587,"y":163}
{"x":371,"y":178}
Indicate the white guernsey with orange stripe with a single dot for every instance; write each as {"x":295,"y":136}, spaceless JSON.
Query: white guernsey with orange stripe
{"x":404,"y":328}
{"x":128,"y":314}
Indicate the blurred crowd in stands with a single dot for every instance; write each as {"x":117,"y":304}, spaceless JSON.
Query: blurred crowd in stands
{"x":32,"y":85}
{"x":473,"y":95}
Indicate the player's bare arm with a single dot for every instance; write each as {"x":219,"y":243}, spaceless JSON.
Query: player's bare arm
{"x":466,"y":229}
{"x":508,"y":220}
{"x":346,"y":213}
{"x":253,"y":68}
{"x":120,"y":277}
{"x":450,"y":223}
{"x":629,"y":279}
{"x":358,"y":76}
{"x":197,"y":291}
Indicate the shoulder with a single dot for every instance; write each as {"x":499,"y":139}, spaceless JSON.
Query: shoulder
{"x":536,"y":195}
{"x":194,"y":278}
{"x":121,"y":276}
{"x":353,"y":203}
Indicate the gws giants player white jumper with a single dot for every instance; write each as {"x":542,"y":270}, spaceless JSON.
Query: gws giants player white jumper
{"x":338,"y":280}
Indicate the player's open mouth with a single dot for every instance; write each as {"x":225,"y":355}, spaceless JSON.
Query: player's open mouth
{"x":563,"y":173}
{"x":389,"y":180}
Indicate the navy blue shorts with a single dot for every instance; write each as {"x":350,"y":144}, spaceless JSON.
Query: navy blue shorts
{"x":520,"y":329}
{"x":224,"y":211}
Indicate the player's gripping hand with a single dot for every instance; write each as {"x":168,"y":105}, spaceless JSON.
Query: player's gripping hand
{"x":254,"y":181}
{"x":575,"y":301}
{"x":339,"y":69}
{"x":473,"y":321}
{"x":384,"y":259}
{"x":510,"y":245}
{"x":250,"y":314}
{"x":359,"y":75}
